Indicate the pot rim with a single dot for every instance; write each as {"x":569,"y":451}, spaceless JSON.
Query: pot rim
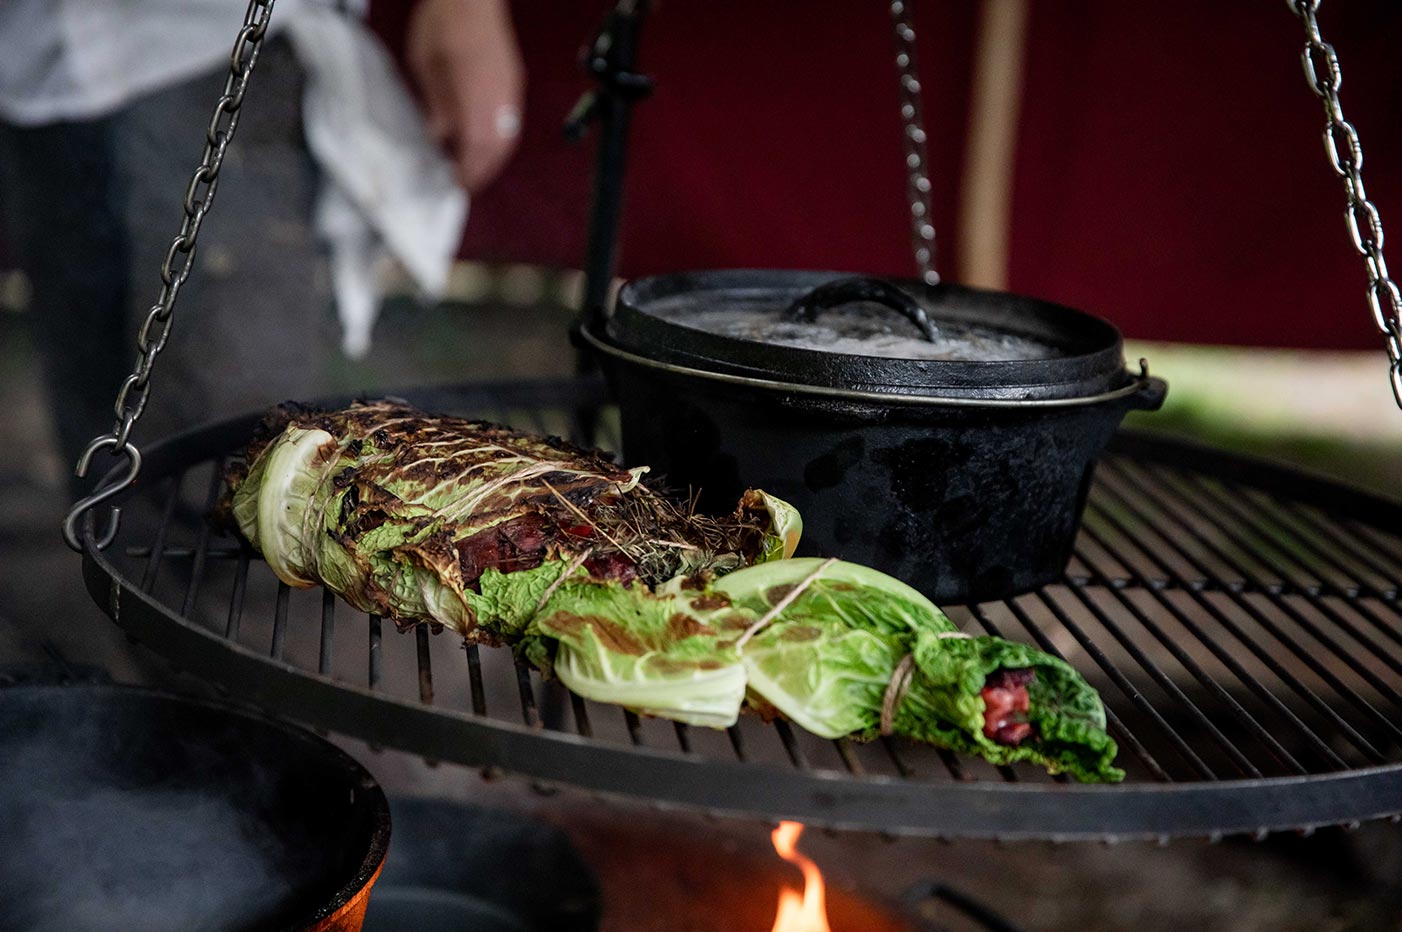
{"x":1091,"y":362}
{"x":1135,"y":384}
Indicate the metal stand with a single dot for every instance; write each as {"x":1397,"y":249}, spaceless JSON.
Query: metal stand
{"x":611,"y":62}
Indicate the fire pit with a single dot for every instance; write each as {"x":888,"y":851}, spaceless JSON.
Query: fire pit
{"x":698,"y":884}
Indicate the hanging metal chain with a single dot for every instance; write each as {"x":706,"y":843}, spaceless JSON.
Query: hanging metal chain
{"x":922,"y":221}
{"x":1345,"y":153}
{"x":175,"y":269}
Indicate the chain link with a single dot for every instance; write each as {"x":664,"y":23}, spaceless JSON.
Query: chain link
{"x":175,"y":269}
{"x":1365,"y":226}
{"x":922,"y":221}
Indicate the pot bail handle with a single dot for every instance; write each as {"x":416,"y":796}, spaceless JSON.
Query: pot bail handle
{"x":850,"y":290}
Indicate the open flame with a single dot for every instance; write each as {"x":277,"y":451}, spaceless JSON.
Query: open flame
{"x":806,"y":911}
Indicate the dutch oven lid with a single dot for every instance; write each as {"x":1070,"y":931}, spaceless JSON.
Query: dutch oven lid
{"x":889,"y":336}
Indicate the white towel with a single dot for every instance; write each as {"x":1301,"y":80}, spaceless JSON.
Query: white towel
{"x":389,"y":194}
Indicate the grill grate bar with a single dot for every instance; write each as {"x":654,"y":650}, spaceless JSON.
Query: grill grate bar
{"x":231,"y":625}
{"x":153,"y":562}
{"x":1118,"y":677}
{"x":902,"y":768}
{"x":1270,"y":519}
{"x":786,"y":737}
{"x":552,"y":713}
{"x":1193,"y":667}
{"x":737,"y":742}
{"x":951,"y":763}
{"x":848,"y":756}
{"x":581,"y":716}
{"x":1073,"y":579}
{"x":425,"y":664}
{"x":1299,"y":517}
{"x":1219,"y":651}
{"x":284,"y":593}
{"x":635,"y":729}
{"x":529,"y":714}
{"x":683,"y":736}
{"x":192,"y":587}
{"x":474,"y":677}
{"x":1121,"y":733}
{"x":1392,"y":631}
{"x":328,"y":632}
{"x":1325,"y":586}
{"x":1156,"y":673}
{"x":1373,"y":535}
{"x":1261,"y":654}
{"x":375,"y":658}
{"x":1368,"y":557}
{"x":1151,"y":488}
{"x":185,"y":553}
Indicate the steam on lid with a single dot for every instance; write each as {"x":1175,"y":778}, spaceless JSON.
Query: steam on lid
{"x":860,"y":330}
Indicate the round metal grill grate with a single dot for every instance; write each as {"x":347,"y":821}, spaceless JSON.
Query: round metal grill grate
{"x":1241,"y":621}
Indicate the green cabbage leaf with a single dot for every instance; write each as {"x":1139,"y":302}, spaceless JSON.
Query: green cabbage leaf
{"x":826,"y":658}
{"x":670,"y":653}
{"x":942,"y":706}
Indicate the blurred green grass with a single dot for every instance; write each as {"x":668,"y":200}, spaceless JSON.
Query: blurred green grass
{"x":1330,"y":413}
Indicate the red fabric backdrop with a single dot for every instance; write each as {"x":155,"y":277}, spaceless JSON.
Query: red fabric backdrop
{"x":1169,"y":173}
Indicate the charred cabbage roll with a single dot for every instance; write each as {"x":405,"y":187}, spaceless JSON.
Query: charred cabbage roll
{"x":825,"y":659}
{"x":1006,"y":702}
{"x":425,"y":518}
{"x":836,"y":645}
{"x":670,"y":653}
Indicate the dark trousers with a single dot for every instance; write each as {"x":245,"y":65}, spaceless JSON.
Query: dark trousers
{"x":64,"y":223}
{"x":89,"y":210}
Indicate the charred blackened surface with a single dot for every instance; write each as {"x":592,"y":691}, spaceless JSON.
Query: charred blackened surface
{"x":733,"y":621}
{"x":670,"y":666}
{"x":709,"y":602}
{"x":613,"y":636}
{"x":682,"y":625}
{"x":456,"y":497}
{"x":776,"y":594}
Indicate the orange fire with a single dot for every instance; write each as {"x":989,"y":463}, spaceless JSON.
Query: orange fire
{"x":805,"y":912}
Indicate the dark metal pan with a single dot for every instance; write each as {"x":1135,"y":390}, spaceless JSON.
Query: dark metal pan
{"x":123,"y":808}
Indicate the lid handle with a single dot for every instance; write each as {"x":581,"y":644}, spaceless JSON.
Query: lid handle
{"x":851,"y":290}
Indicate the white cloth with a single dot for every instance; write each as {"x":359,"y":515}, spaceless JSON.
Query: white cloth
{"x":389,"y":192}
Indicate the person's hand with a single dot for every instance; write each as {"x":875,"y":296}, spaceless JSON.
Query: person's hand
{"x":464,"y":56}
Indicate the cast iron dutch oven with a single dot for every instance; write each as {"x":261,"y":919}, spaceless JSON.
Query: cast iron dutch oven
{"x":943,"y":434}
{"x":123,"y":808}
